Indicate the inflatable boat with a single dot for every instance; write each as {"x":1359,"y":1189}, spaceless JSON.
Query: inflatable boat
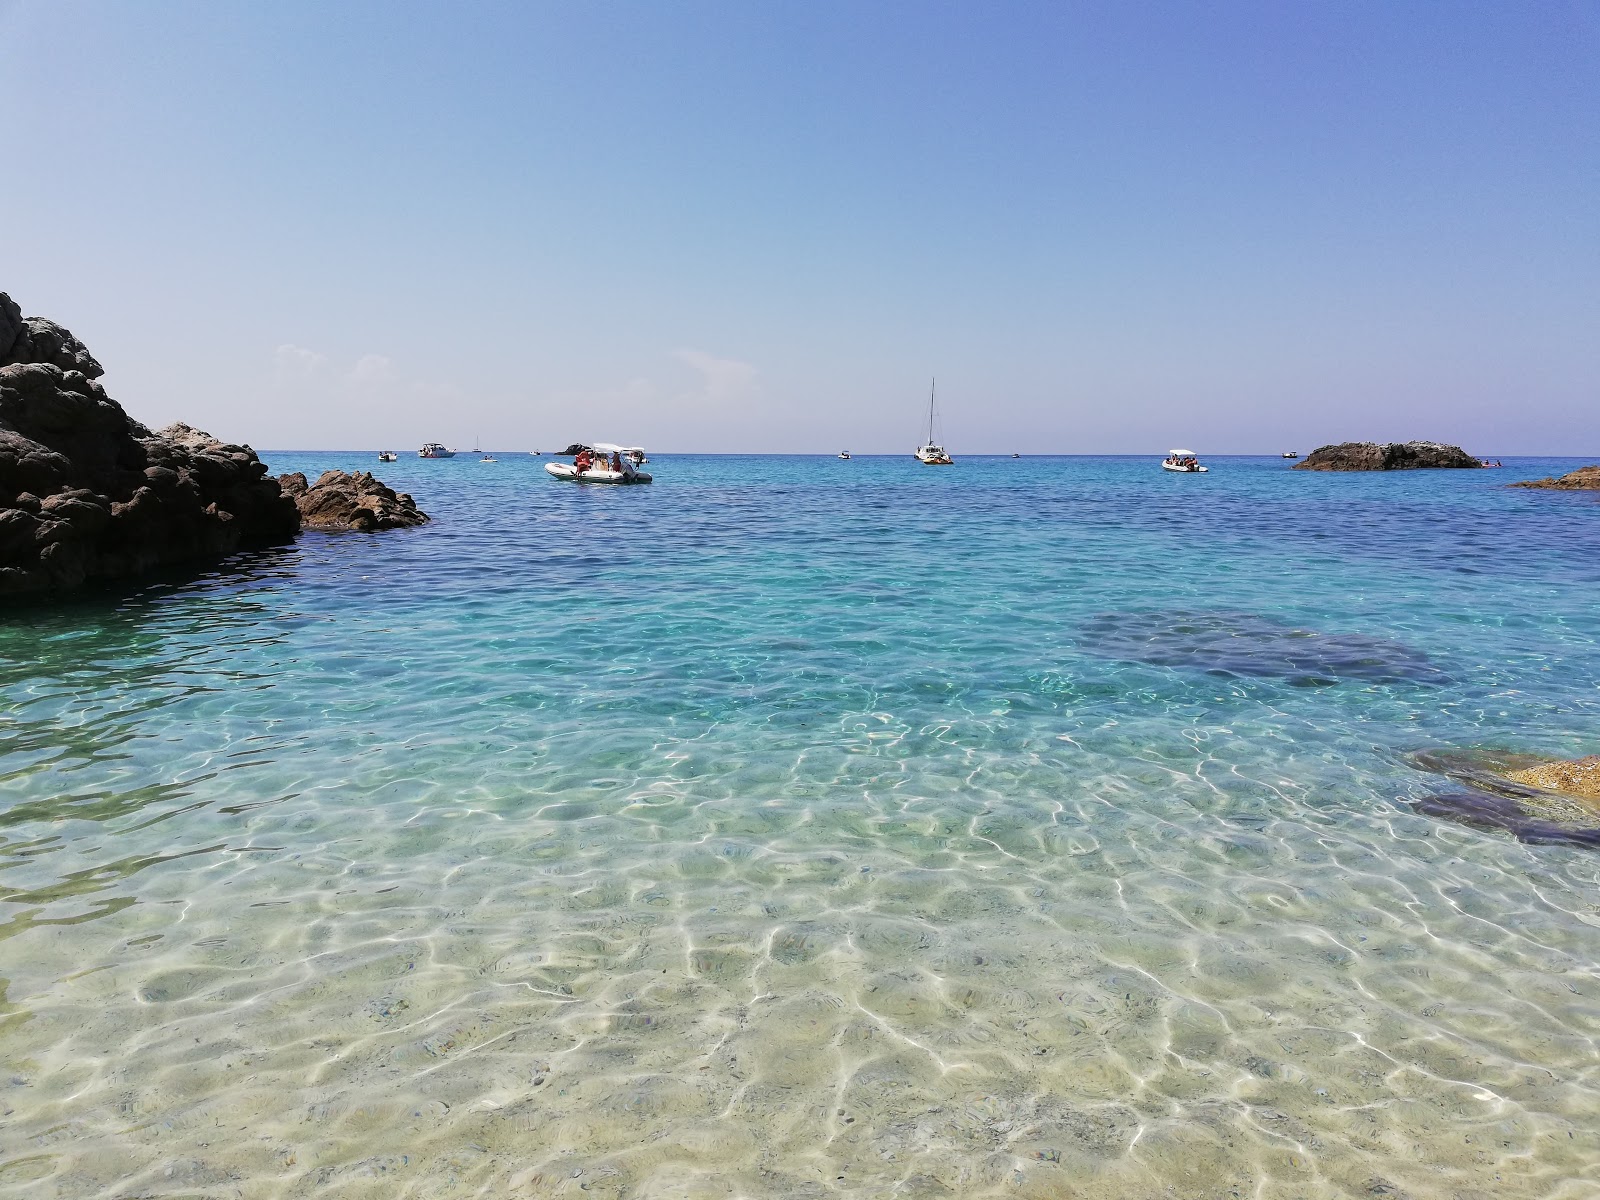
{"x":594,"y":464}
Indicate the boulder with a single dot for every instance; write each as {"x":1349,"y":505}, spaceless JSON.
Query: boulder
{"x":1395,"y":456}
{"x":87,"y":493}
{"x":1535,"y":799}
{"x":1584,"y":479}
{"x":1571,"y":777}
{"x":339,"y":501}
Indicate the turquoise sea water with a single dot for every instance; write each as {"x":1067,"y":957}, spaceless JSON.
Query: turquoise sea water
{"x":796,"y":827}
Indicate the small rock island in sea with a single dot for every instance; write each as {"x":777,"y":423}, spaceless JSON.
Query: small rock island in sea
{"x":341,"y":501}
{"x":1394,"y":456}
{"x":88,"y":494}
{"x":1584,"y":479}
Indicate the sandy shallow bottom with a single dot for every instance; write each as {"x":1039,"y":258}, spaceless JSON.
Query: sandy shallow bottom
{"x":876,"y":997}
{"x":724,"y":866}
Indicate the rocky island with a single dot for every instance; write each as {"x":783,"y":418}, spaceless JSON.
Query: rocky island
{"x":1584,"y":479}
{"x":341,"y":501}
{"x":89,"y":494}
{"x":1393,"y":456}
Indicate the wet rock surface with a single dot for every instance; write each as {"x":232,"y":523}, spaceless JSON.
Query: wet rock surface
{"x":1248,"y":644}
{"x":1392,"y":456}
{"x":340,"y":501}
{"x":87,"y":493}
{"x":1584,"y":479}
{"x":1494,"y":794}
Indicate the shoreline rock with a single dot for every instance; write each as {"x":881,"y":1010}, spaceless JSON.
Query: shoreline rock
{"x":1584,"y":479}
{"x":87,"y":494}
{"x":340,"y":501}
{"x":1393,"y":456}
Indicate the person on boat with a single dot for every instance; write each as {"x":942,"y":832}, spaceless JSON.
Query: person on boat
{"x":616,"y":462}
{"x":582,"y":462}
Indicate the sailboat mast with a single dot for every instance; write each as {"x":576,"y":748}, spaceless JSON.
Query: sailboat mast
{"x":932,"y":387}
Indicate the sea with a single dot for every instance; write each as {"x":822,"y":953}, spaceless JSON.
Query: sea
{"x":794,"y":827}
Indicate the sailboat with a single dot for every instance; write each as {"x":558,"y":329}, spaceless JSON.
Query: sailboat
{"x":930,"y":453}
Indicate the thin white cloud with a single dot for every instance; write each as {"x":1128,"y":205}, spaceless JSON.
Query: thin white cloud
{"x":372,"y":368}
{"x":297,"y":360}
{"x":724,"y":378}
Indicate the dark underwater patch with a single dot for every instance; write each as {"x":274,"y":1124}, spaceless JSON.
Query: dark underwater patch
{"x":1248,"y":644}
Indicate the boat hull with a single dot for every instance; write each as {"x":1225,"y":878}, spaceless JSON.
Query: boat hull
{"x":569,"y":473}
{"x":1185,"y":470}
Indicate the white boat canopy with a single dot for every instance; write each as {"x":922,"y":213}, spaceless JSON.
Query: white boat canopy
{"x":1181,"y":453}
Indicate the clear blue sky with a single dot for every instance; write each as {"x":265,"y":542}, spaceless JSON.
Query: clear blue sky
{"x":1106,"y":227}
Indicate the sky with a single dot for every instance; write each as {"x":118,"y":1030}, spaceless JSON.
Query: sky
{"x":1241,"y":227}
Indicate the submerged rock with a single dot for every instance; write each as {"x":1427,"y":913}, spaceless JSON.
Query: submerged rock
{"x":1231,"y":643}
{"x":1394,"y":456}
{"x":1484,"y":810}
{"x":1571,"y":777}
{"x":342,"y":501}
{"x":1513,"y":793}
{"x":86,"y":493}
{"x":1584,"y":479}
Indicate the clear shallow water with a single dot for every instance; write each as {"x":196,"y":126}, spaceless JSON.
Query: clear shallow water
{"x":796,"y":828}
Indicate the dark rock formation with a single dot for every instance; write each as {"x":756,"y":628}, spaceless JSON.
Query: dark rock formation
{"x":1497,"y":796}
{"x":1249,"y":644}
{"x":1396,"y":456}
{"x":87,"y":493}
{"x":1485,"y":810}
{"x":341,"y":501}
{"x":1584,"y":479}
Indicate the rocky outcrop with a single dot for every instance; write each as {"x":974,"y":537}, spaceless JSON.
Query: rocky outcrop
{"x":1584,"y":479}
{"x":88,"y":494}
{"x":341,"y":501}
{"x":1534,"y":799}
{"x":1395,"y":456}
{"x":1570,"y":776}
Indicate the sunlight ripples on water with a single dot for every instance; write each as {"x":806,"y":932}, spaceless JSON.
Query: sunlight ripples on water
{"x":795,"y":827}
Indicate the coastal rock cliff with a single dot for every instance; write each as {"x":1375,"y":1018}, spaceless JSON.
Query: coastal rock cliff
{"x":1394,"y":456}
{"x":87,"y":493}
{"x":1584,"y":479}
{"x":342,"y":501}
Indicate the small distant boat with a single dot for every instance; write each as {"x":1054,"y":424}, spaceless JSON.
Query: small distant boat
{"x":535,"y":453}
{"x":635,"y":455}
{"x":600,"y":462}
{"x":388,"y":456}
{"x":845,"y":455}
{"x":930,"y":453}
{"x":488,"y":458}
{"x":1291,"y":454}
{"x":1184,"y":462}
{"x":1016,"y":456}
{"x":435,"y":450}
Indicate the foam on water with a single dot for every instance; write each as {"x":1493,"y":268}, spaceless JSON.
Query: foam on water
{"x":795,"y":827}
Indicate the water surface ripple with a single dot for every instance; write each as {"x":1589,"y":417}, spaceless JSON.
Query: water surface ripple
{"x":793,"y":827}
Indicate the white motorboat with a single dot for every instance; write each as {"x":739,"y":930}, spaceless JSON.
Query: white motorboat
{"x":434,"y":450}
{"x":635,"y":455}
{"x":844,"y":455}
{"x":600,"y":462}
{"x":1291,"y":454}
{"x":1184,"y":462}
{"x":388,"y":456}
{"x":930,"y":453}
